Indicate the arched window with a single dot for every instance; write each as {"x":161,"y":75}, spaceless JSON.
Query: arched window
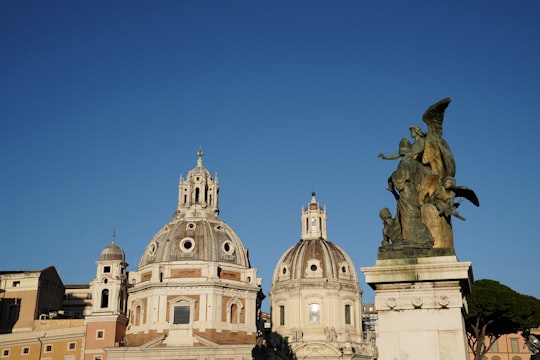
{"x":234,"y":311}
{"x":138,"y":313}
{"x":314,"y":314}
{"x":121,"y":301}
{"x":137,"y":320}
{"x":234,"y":314}
{"x":197,"y":195}
{"x":347,"y":314}
{"x":105,"y":298}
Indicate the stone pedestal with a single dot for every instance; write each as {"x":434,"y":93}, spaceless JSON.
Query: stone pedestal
{"x":420,"y":307}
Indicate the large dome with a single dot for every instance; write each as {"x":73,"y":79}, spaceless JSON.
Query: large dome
{"x":194,"y":287}
{"x":312,"y":259}
{"x":196,"y":239}
{"x":196,"y":233}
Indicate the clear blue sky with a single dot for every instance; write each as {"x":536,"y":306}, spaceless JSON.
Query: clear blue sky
{"x":103,"y":104}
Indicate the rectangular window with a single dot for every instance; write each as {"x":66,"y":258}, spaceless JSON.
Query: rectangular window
{"x":100,"y":334}
{"x":515,"y":345}
{"x":71,"y":346}
{"x":181,"y":315}
{"x":25,"y":351}
{"x":16,"y":284}
{"x":106,"y":269}
{"x":314,"y":314}
{"x":48,"y":348}
{"x":13,"y":312}
{"x":281,"y":315}
{"x":495,"y":347}
{"x":97,"y":357}
{"x":5,"y":353}
{"x":347,"y":314}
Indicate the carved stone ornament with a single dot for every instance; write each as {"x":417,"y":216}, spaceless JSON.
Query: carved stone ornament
{"x":444,"y":301}
{"x":417,"y":302}
{"x":391,"y":302}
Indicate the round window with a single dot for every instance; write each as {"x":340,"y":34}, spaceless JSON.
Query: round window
{"x":152,"y":249}
{"x":313,"y":267}
{"x":228,"y":248}
{"x":187,"y":245}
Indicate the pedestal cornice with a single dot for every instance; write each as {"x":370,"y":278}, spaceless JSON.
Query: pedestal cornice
{"x":424,"y":269}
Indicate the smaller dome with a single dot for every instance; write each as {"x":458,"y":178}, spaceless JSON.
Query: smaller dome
{"x":112,"y":252}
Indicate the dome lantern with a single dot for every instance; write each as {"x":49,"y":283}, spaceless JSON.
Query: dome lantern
{"x":198,"y":193}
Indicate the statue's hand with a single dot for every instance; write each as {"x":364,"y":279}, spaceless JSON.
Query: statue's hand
{"x":380,"y":156}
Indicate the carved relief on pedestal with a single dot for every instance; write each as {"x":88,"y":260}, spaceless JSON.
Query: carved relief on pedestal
{"x":417,"y":302}
{"x":391,"y":302}
{"x":444,"y":301}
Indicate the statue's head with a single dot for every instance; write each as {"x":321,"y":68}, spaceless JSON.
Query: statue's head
{"x":416,"y":130}
{"x":385,"y":213}
{"x":449,"y":182}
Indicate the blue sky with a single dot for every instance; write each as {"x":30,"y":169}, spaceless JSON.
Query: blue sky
{"x":103,"y":104}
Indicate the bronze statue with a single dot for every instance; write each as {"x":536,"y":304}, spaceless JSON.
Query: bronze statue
{"x":424,"y":188}
{"x":391,"y":229}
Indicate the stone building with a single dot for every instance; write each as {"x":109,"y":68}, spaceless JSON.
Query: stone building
{"x":32,"y":325}
{"x":27,"y":296}
{"x":315,"y":297}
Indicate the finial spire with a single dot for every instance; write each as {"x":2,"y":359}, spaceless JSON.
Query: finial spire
{"x":113,"y":235}
{"x":200,"y":155}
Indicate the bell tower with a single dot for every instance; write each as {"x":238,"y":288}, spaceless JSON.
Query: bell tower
{"x":106,"y":324}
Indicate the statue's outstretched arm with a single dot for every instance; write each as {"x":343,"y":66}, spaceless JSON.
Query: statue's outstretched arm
{"x":390,"y":157}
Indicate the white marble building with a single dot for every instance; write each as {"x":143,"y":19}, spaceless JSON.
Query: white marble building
{"x":315,"y":297}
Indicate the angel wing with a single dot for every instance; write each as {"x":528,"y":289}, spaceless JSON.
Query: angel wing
{"x":437,"y":153}
{"x":434,"y":116}
{"x":467,"y":193}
